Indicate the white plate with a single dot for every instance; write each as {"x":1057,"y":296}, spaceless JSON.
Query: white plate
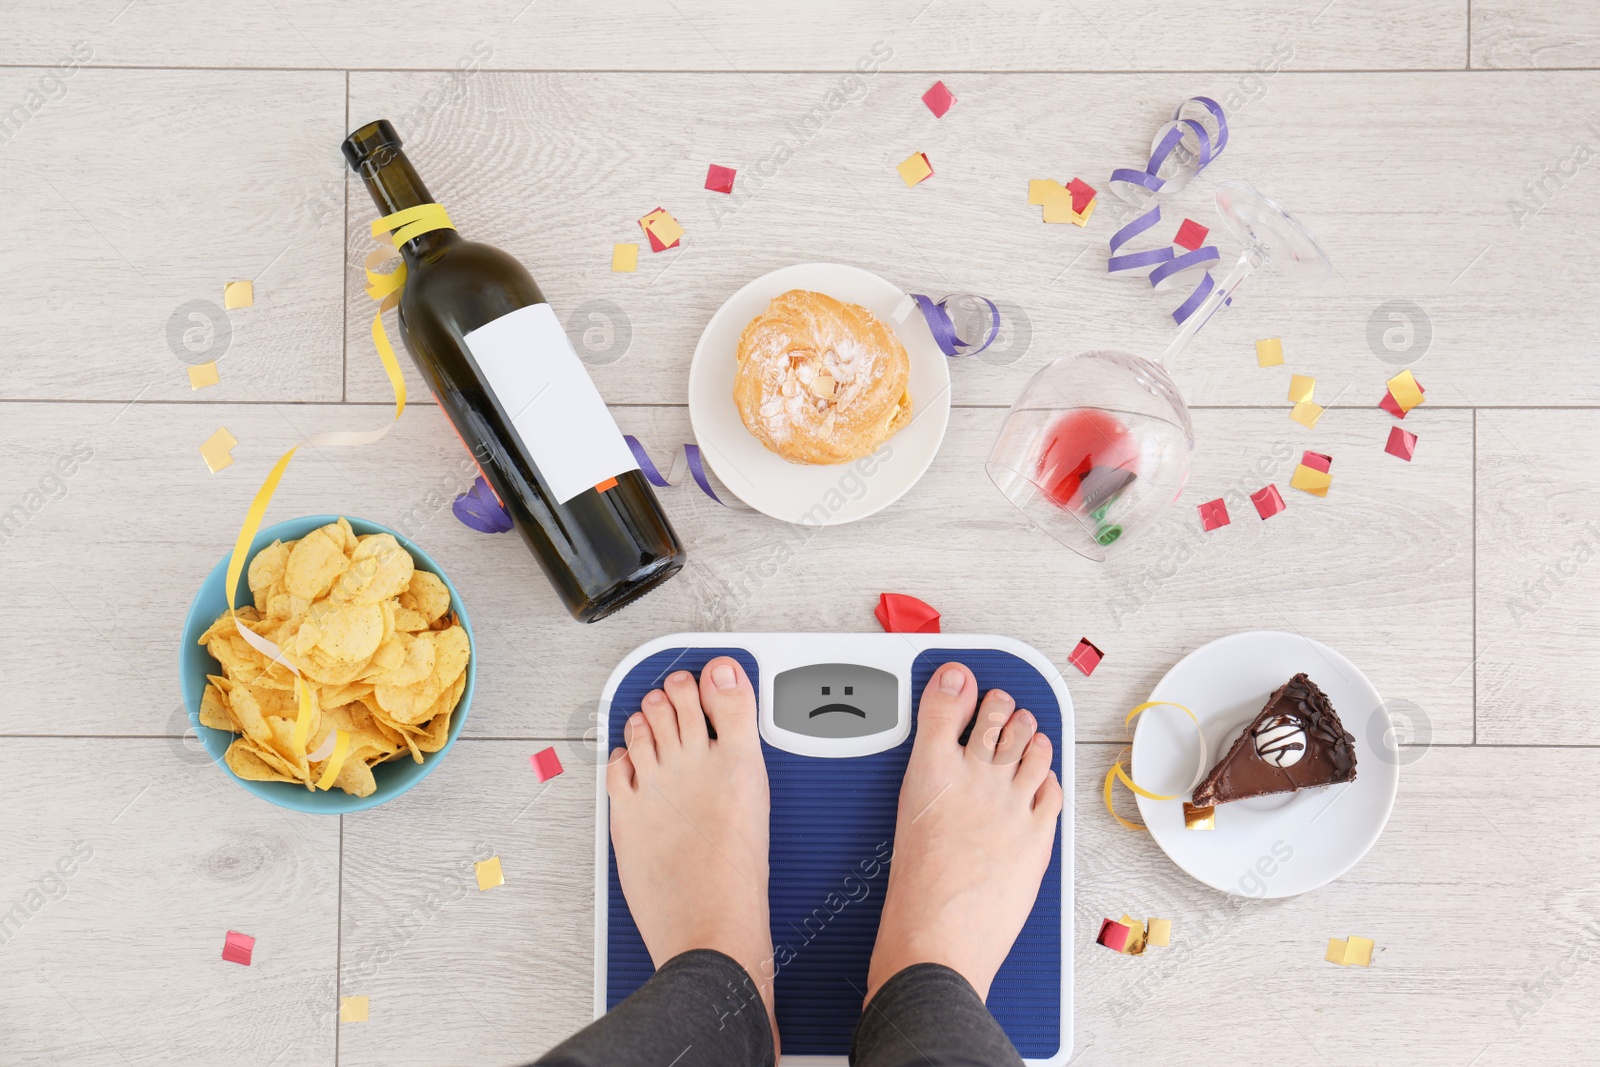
{"x":1273,"y":846}
{"x":798,"y":492}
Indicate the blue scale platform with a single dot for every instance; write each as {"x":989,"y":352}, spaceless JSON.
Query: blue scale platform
{"x":832,"y":835}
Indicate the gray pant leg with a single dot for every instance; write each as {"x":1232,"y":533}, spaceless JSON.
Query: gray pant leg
{"x":929,"y":1015}
{"x":700,"y":1009}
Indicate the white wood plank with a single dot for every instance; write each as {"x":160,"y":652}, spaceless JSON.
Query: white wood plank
{"x":456,"y":974}
{"x":1518,"y":34}
{"x":1390,"y":170}
{"x":132,"y":193}
{"x":703,"y":35}
{"x":118,"y":957}
{"x":1538,"y":528}
{"x":1381,"y":569}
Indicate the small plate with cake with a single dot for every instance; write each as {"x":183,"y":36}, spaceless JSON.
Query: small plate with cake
{"x":818,"y":395}
{"x":1300,"y":772}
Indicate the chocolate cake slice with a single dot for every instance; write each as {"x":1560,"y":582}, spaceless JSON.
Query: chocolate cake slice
{"x":1296,"y":742}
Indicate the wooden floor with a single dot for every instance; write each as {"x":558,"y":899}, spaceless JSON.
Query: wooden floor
{"x":153,"y":150}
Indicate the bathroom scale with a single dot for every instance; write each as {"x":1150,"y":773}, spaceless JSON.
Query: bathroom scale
{"x":837,"y":715}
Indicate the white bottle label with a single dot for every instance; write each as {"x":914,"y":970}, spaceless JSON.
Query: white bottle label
{"x":546,"y":391}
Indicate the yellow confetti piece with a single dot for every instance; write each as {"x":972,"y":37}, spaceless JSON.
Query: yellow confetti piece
{"x":1306,"y":414}
{"x":1058,"y":207}
{"x":1158,"y":932}
{"x":665,"y":228}
{"x":1198,"y":818}
{"x":1083,"y":219}
{"x":1301,"y":388}
{"x":915,"y":168}
{"x":1310,"y":480}
{"x":1336,"y":950}
{"x":1269,"y":352}
{"x":1134,"y":946}
{"x":1405,"y":390}
{"x":490,"y":874}
{"x":1041,"y":190}
{"x":1358,"y":952}
{"x":239,"y":295}
{"x":218,"y":448}
{"x":624,"y":258}
{"x":203,"y":374}
{"x":352,"y":1009}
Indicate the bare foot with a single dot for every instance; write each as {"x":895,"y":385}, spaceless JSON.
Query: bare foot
{"x":689,"y":822}
{"x":972,"y":838}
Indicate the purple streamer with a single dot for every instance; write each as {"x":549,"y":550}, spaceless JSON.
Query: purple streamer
{"x":943,"y":327}
{"x":480,"y":509}
{"x":652,"y":473}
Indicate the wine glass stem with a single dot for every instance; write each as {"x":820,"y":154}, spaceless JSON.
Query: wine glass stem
{"x":1249,"y":260}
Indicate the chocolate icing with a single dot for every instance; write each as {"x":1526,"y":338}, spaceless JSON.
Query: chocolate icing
{"x":1330,"y":756}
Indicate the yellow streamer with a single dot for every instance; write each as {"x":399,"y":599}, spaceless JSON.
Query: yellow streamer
{"x":393,"y":231}
{"x":341,"y":749}
{"x":1116,"y":773}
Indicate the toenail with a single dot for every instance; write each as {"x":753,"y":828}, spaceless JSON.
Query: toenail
{"x":636,"y":719}
{"x":681,"y":676}
{"x":722,"y":676}
{"x":952,"y":680}
{"x":653,"y":697}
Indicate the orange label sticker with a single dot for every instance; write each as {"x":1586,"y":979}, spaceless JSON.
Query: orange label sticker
{"x":609,"y":483}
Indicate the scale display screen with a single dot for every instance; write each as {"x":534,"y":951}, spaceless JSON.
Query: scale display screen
{"x":836,"y":700}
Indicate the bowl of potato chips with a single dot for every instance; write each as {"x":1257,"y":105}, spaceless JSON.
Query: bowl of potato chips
{"x":382,"y":656}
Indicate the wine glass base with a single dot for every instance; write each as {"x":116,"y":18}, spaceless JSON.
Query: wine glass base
{"x":1261,"y":223}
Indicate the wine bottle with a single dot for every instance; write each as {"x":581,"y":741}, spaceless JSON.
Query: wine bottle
{"x":502,"y":369}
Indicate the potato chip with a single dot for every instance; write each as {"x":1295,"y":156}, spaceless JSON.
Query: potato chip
{"x":214,"y":707}
{"x":391,"y":654}
{"x":352,"y":633}
{"x":428,"y":594}
{"x":247,"y":763}
{"x":355,"y":777}
{"x":385,"y":566}
{"x":417,"y":665}
{"x":266,"y":569}
{"x":350,"y":539}
{"x":315,"y":562}
{"x":409,"y":619}
{"x":319,"y":668}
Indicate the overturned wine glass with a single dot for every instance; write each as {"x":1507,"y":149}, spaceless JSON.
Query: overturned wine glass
{"x":1099,"y":444}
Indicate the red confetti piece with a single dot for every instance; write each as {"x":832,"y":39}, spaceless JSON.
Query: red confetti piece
{"x":720,"y":179}
{"x":1113,"y":935}
{"x":1401,"y":443}
{"x":1086,"y":657}
{"x":237,"y":947}
{"x":901,"y":614}
{"x":939,"y":98}
{"x":546,"y":764}
{"x":1317,"y":461}
{"x":1268,"y":501}
{"x":1214,"y":513}
{"x":1388,"y":402}
{"x":1191,"y":235}
{"x":1082,"y":194}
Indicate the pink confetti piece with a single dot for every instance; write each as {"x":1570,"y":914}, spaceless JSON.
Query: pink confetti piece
{"x":938,"y":98}
{"x":1268,"y":501}
{"x":1317,"y":461}
{"x":237,"y":947}
{"x":546,"y":764}
{"x":720,"y":179}
{"x":1083,"y":194}
{"x":1401,"y":443}
{"x":1086,"y":657}
{"x":1191,"y":235}
{"x":1113,"y":935}
{"x":1214,"y":514}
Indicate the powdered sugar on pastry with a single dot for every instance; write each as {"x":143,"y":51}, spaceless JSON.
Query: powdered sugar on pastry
{"x":821,"y":381}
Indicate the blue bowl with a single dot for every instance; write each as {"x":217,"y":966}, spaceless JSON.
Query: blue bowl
{"x":194,"y":663}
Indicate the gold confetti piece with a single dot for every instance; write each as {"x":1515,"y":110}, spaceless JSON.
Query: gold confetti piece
{"x":1083,"y":219}
{"x":1310,"y":480}
{"x":1269,"y":352}
{"x":1306,"y":414}
{"x":1336,"y":950}
{"x":239,"y":295}
{"x":1358,"y":951}
{"x":1405,"y":390}
{"x":352,"y":1009}
{"x":1041,"y":190}
{"x":1199,"y":818}
{"x":203,"y":374}
{"x":1134,"y":946}
{"x":915,"y":168}
{"x":1301,"y":387}
{"x":624,"y":258}
{"x":1158,"y":933}
{"x":217,"y":448}
{"x":490,"y":874}
{"x":662,"y":229}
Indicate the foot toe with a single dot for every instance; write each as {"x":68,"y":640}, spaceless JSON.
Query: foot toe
{"x":729,"y":701}
{"x":663,"y":719}
{"x":1048,"y":800}
{"x":641,"y":742}
{"x":690,"y":721}
{"x":1034,"y":766}
{"x":619,"y":773}
{"x":994,"y":715}
{"x":1014,"y":739}
{"x":946,"y":707}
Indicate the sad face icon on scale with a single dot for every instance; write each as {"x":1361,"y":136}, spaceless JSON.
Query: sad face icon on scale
{"x":835,"y":700}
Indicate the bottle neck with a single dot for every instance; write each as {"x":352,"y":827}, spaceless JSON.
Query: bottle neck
{"x":394,"y":186}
